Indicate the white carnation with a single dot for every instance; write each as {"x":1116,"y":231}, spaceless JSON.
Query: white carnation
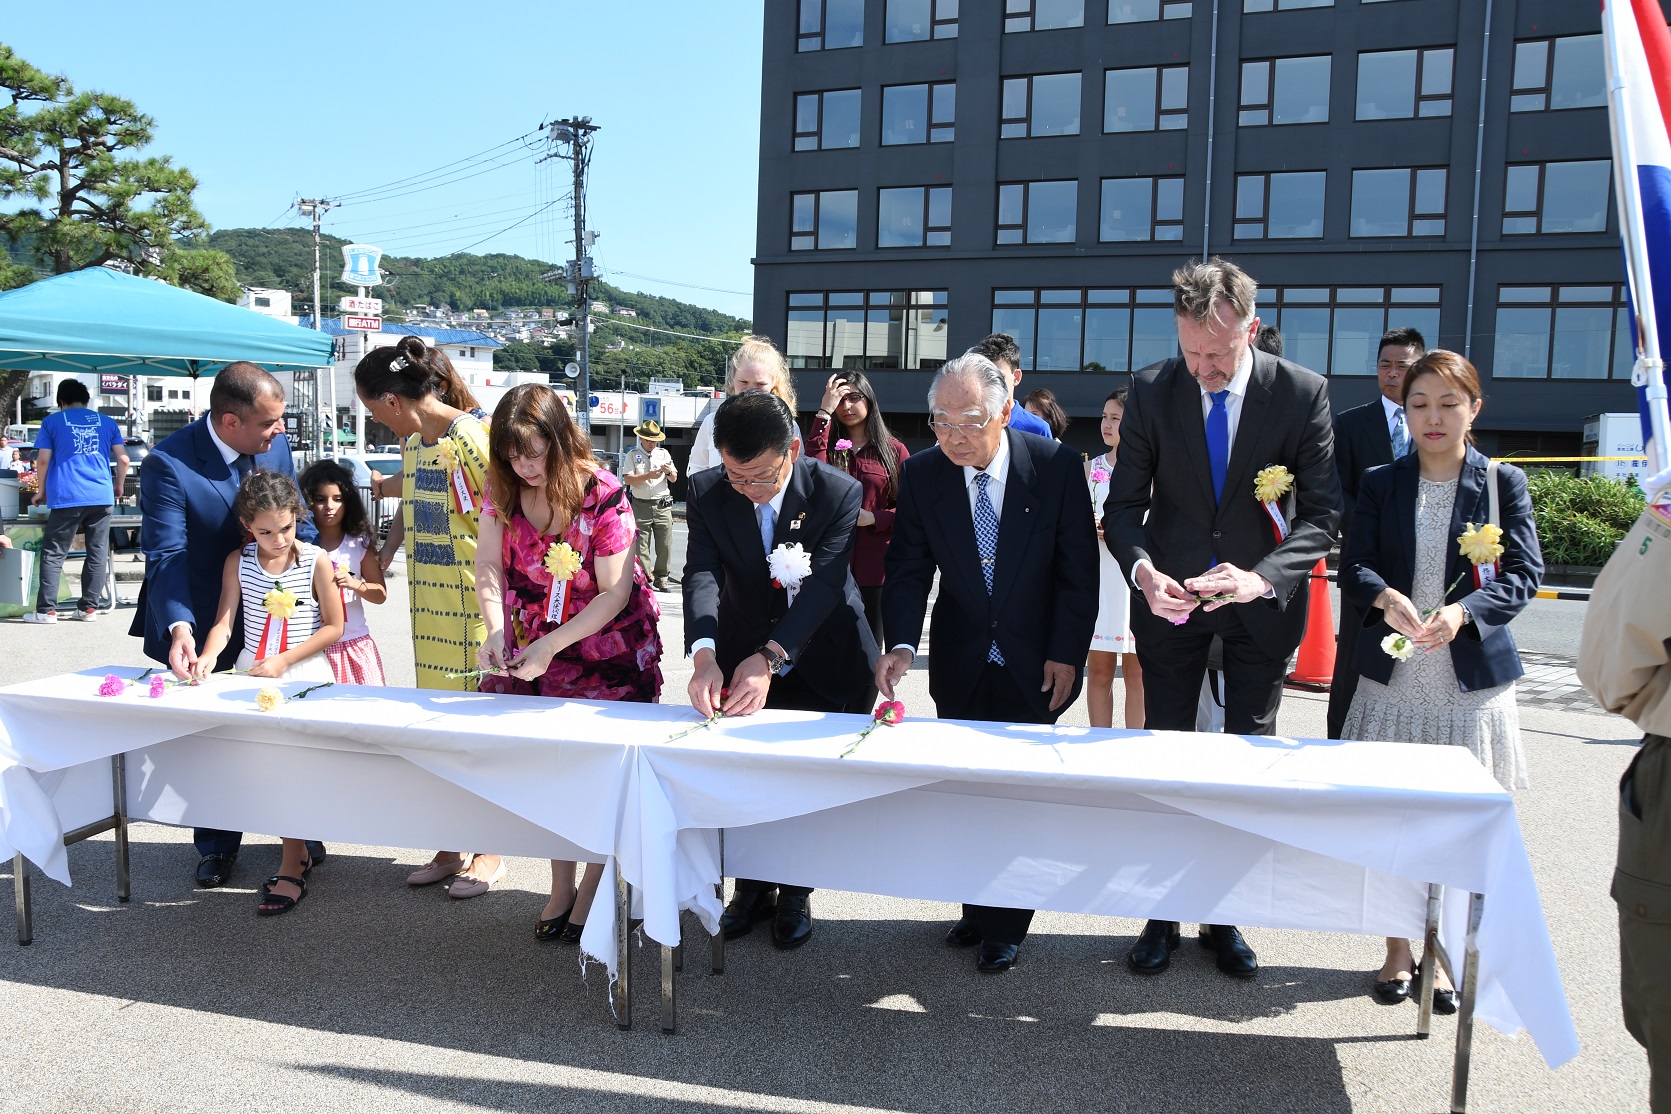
{"x":789,"y":565}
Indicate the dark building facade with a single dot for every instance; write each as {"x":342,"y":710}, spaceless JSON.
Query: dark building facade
{"x":934,"y":170}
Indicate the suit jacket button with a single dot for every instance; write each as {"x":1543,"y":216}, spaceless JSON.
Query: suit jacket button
{"x":994,"y":624}
{"x":1218,"y":533}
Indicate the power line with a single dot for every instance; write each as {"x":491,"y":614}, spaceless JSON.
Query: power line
{"x":361,"y":194}
{"x":686,"y":285}
{"x":501,"y":232}
{"x":670,"y":332}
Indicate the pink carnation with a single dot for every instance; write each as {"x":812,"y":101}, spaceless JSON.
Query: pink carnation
{"x":1099,"y":475}
{"x":113,"y":685}
{"x":890,"y":712}
{"x":843,"y":444}
{"x":158,"y":686}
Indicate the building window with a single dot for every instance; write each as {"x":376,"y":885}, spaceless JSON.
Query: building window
{"x":914,"y":217}
{"x":878,"y":330}
{"x":1559,"y":73}
{"x":827,"y":221}
{"x":153,"y":393}
{"x":1142,"y":209}
{"x":1563,"y":332}
{"x":263,"y":301}
{"x":173,"y":394}
{"x":1398,"y":202}
{"x":1285,"y":91}
{"x":1042,"y":15}
{"x":1280,"y":206}
{"x":1142,"y":11}
{"x":1400,"y":84}
{"x":831,"y":24}
{"x":826,"y":120}
{"x":1037,"y":212}
{"x":1283,"y":5}
{"x":1087,"y":330}
{"x":911,"y":21}
{"x":1045,"y":104}
{"x":1556,"y":197}
{"x":919,"y":113}
{"x":1145,"y":100}
{"x":1337,"y":330}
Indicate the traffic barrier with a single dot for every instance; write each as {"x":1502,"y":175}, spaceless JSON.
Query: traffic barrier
{"x":1315,"y":666}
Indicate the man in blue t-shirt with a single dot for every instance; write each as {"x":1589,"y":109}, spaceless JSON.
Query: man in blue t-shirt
{"x":1001,"y":349}
{"x":74,"y":450}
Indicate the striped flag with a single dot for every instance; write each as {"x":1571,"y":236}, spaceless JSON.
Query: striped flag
{"x":1638,"y":49}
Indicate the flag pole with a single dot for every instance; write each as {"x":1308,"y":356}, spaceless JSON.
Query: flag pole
{"x":1649,"y":372}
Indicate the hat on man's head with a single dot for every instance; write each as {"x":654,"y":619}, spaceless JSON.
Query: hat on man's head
{"x":650,"y":430}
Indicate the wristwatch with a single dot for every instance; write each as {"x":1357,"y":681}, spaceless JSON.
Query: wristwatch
{"x":1467,"y":616}
{"x":775,"y":662}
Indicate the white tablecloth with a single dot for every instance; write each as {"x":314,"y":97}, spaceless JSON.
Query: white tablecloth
{"x":1254,"y":831}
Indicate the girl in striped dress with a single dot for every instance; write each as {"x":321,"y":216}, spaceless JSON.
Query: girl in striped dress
{"x":345,"y":535}
{"x":285,"y":591}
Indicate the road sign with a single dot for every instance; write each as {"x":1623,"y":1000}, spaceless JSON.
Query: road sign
{"x":592,"y":401}
{"x":363,"y":324}
{"x":369,"y":307}
{"x":359,"y":265}
{"x":572,"y":370}
{"x":649,"y":409}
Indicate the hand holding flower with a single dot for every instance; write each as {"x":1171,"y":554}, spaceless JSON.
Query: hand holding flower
{"x":1441,"y":627}
{"x":535,"y":659}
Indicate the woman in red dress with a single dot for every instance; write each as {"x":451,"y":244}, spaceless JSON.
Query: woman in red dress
{"x":569,"y":613}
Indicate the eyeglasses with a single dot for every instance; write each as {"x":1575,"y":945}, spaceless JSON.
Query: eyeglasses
{"x":947,"y":429}
{"x":777,"y":475}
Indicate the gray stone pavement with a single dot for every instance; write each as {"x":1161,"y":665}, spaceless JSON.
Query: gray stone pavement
{"x":374,"y":996}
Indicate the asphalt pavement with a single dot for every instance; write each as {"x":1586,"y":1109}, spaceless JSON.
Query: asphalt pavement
{"x":374,"y":996}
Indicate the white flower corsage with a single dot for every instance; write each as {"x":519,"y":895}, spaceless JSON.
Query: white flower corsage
{"x":789,"y":565}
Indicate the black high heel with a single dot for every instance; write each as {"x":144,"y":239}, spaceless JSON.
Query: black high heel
{"x":571,"y":934}
{"x":556,"y":927}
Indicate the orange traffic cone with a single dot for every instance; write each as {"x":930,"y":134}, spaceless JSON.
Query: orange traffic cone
{"x":1315,"y":666}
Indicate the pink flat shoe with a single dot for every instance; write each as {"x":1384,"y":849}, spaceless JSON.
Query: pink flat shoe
{"x":436,"y":871}
{"x":469,"y":885}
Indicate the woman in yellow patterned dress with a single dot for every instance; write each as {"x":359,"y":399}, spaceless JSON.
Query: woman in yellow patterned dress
{"x":443,"y":471}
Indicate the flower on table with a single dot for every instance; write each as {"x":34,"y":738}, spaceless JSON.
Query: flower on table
{"x":1398,"y":646}
{"x":843,"y":445}
{"x":1482,"y":545}
{"x":1272,"y":483}
{"x":159,"y":685}
{"x":789,"y":565}
{"x":887,"y":714}
{"x":269,"y":699}
{"x":280,"y":603}
{"x":561,"y":561}
{"x":112,"y":685}
{"x":709,"y":722}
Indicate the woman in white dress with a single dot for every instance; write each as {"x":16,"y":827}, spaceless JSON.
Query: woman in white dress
{"x":757,"y":365}
{"x":1112,"y":639}
{"x":1410,"y":567}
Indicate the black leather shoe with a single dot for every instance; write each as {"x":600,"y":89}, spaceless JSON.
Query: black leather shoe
{"x":747,"y":906}
{"x":1445,"y":1001}
{"x":1391,"y":992}
{"x":792,"y":926}
{"x":214,"y":870}
{"x":1152,"y":953}
{"x":1235,"y":958}
{"x":316,"y":852}
{"x":993,"y":958}
{"x":963,"y":934}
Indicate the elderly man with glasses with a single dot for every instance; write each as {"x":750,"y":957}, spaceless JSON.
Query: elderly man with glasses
{"x":773,"y":618}
{"x":1006,"y":519}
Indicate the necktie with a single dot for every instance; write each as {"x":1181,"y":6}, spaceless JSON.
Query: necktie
{"x":768,"y":523}
{"x":242,"y":465}
{"x":1400,"y":434}
{"x":1218,"y":441}
{"x":986,"y":541}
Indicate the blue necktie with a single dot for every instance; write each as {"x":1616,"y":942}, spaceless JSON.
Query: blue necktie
{"x":1218,"y":441}
{"x":1400,"y":434}
{"x":986,"y":541}
{"x":768,"y":524}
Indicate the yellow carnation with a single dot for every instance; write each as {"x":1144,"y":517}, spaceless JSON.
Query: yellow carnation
{"x":1481,"y":544}
{"x":280,"y":603}
{"x":268,"y":699}
{"x":561,"y":561}
{"x":1272,"y":483}
{"x":449,"y":455}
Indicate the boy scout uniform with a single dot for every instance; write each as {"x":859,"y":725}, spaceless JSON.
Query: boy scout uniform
{"x":652,"y":502}
{"x":1625,"y":665}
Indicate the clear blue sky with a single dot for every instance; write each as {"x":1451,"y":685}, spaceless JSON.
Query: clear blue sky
{"x":266,"y":105}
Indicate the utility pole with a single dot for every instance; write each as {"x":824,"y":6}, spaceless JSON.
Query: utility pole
{"x":577,"y":133}
{"x":317,"y":207}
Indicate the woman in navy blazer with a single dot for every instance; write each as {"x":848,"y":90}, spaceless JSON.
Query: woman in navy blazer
{"x":1405,"y":572}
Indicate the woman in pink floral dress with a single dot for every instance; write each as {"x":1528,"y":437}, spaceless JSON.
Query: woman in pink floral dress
{"x":569,"y":614}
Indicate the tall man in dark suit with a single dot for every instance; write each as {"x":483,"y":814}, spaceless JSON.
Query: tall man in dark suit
{"x":1202,"y":551}
{"x":1006,"y":519}
{"x":758,"y":645}
{"x":1366,"y":437}
{"x":187,"y":485}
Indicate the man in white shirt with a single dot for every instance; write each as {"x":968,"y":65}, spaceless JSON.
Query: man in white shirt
{"x":648,"y":471}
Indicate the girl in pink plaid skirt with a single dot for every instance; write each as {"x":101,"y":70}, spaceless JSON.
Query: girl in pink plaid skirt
{"x":345,"y":535}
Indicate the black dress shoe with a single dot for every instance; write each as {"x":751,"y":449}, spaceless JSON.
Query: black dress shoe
{"x":572,"y":932}
{"x":554,"y":928}
{"x":1152,"y":953}
{"x":1391,"y":992}
{"x":214,"y":870}
{"x":1445,"y":1001}
{"x":993,"y":958}
{"x":963,"y":934}
{"x":746,"y":907}
{"x":792,"y":926}
{"x":1235,"y":958}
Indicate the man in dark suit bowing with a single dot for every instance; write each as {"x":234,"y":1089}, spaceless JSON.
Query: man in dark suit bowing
{"x":1366,"y":437}
{"x":186,"y":488}
{"x":1206,"y":555}
{"x":773,"y":618}
{"x":1006,"y":519}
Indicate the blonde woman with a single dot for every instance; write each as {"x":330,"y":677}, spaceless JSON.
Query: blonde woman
{"x":757,"y":365}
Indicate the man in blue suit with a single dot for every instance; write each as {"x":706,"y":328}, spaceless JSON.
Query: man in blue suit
{"x":186,"y":490}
